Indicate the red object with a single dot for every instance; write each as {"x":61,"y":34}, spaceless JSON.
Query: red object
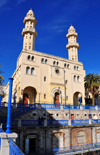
{"x":26,"y":101}
{"x":72,"y":117}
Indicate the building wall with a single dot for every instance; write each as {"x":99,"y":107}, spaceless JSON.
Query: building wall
{"x":59,"y":72}
{"x":49,"y":138}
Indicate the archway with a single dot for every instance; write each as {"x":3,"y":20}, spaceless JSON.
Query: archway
{"x":29,"y":95}
{"x":57,"y":98}
{"x":55,"y":93}
{"x":77,"y":98}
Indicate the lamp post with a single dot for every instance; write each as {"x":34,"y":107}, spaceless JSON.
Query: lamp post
{"x":9,"y":106}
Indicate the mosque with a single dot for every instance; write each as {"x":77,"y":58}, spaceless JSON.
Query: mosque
{"x":44,"y":78}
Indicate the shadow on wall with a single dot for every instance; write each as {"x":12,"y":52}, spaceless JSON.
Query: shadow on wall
{"x":38,"y":131}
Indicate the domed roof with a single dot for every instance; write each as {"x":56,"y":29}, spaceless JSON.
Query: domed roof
{"x":30,"y":13}
{"x":71,"y":27}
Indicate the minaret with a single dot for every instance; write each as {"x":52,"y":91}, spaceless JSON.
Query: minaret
{"x":29,"y":33}
{"x":72,"y":45}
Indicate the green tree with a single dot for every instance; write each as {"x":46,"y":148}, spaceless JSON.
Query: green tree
{"x":1,"y":77}
{"x":92,"y":83}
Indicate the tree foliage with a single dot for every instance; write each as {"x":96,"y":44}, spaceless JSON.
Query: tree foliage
{"x":92,"y":83}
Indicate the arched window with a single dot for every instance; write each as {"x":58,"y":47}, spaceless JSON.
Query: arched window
{"x":68,"y":66}
{"x":57,"y":63}
{"x":32,"y":71}
{"x":46,"y":61}
{"x":32,"y":58}
{"x":27,"y":70}
{"x":42,"y":60}
{"x":75,"y":68}
{"x":78,"y":79}
{"x":54,"y":63}
{"x":75,"y":78}
{"x":28,"y":57}
{"x":64,"y":65}
{"x":66,"y":81}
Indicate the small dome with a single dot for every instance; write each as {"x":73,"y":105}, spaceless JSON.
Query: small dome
{"x":71,"y":27}
{"x":30,"y":13}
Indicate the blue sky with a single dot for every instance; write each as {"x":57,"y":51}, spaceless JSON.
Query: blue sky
{"x":54,"y":17}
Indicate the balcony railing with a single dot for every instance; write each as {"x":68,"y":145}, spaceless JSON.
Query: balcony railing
{"x":57,"y":122}
{"x":95,"y":121}
{"x":51,"y":106}
{"x":77,"y":149}
{"x":79,"y":122}
{"x":36,"y":123}
{"x":32,"y":123}
{"x":77,"y":107}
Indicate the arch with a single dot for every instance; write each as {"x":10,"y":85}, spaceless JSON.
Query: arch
{"x":77,"y":98}
{"x":32,"y":58}
{"x":75,"y":78}
{"x":57,"y":98}
{"x":29,"y":95}
{"x":75,"y":68}
{"x":57,"y":63}
{"x":78,"y":79}
{"x":68,"y":66}
{"x":32,"y":71}
{"x":46,"y":61}
{"x":57,"y":89}
{"x":54,"y":63}
{"x":65,"y":65}
{"x":42,"y":60}
{"x":27,"y":70}
{"x":28,"y":57}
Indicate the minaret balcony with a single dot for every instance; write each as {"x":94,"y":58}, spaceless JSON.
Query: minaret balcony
{"x":30,"y":19}
{"x":29,"y":30}
{"x":72,"y":34}
{"x":73,"y":44}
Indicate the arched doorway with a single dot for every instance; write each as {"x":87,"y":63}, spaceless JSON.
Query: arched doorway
{"x":29,"y":95}
{"x":55,"y":93}
{"x":77,"y":98}
{"x":57,"y":98}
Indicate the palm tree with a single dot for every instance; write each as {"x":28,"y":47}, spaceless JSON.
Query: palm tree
{"x":92,"y":83}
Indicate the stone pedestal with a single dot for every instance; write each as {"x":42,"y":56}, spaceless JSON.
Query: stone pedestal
{"x":5,"y":142}
{"x":81,"y":107}
{"x":96,"y":107}
{"x":90,"y":121}
{"x":61,"y":107}
{"x":69,"y":122}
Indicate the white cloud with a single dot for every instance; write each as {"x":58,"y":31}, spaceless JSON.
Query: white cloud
{"x":2,"y":2}
{"x":20,"y":1}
